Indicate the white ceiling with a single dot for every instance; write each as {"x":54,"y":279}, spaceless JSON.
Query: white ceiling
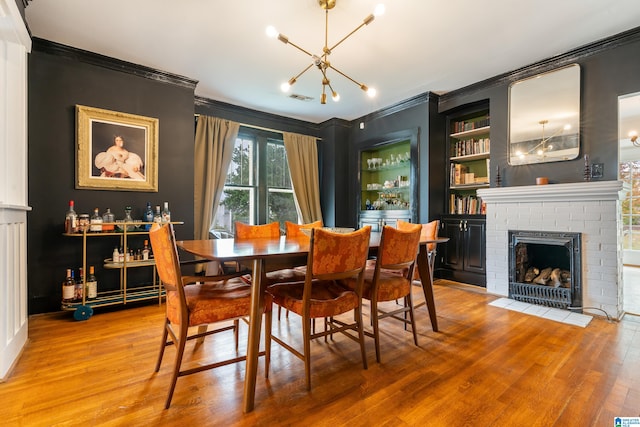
{"x":415,"y":47}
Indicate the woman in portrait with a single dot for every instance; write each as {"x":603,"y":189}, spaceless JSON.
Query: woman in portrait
{"x":118,"y":162}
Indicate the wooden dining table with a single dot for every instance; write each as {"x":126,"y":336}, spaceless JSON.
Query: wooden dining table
{"x":264,"y":254}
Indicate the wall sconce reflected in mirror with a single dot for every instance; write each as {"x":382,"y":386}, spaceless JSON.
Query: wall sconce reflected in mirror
{"x":633,"y":136}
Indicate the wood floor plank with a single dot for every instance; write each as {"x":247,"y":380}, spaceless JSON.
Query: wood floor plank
{"x":487,"y":366}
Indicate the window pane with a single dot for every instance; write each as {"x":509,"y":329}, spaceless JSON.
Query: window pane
{"x":241,"y":167}
{"x":282,"y":207}
{"x":630,"y":175}
{"x":277,"y":167}
{"x":236,"y":204}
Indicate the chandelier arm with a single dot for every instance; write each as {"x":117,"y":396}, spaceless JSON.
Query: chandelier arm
{"x":367,"y":21}
{"x":344,"y":75}
{"x":545,"y":140}
{"x":298,"y":47}
{"x":326,"y":34}
{"x":303,"y":71}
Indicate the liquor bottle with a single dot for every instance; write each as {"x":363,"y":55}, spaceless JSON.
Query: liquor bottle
{"x":71,"y":219}
{"x":116,"y":255}
{"x":92,"y":284}
{"x":79,"y":286}
{"x":166,"y":214}
{"x":108,"y":219}
{"x":96,"y":222}
{"x":128,"y":219}
{"x":157,"y":216}
{"x":68,"y":288}
{"x":145,"y":251}
{"x":148,"y":216}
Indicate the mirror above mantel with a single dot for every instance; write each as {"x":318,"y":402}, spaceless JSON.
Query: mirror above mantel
{"x":544,"y":117}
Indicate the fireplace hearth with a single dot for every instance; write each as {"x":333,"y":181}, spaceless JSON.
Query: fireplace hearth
{"x":545,"y":268}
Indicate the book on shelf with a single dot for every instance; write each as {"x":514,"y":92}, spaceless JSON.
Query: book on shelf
{"x":471,"y":146}
{"x":457,"y":173}
{"x":467,"y":125}
{"x":466,"y":205}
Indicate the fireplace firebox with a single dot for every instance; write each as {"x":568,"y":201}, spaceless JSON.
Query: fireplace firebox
{"x":545,"y":268}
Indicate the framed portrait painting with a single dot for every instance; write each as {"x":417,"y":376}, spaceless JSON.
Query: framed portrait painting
{"x":116,"y":151}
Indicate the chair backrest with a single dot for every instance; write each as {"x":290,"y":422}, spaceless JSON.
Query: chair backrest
{"x":399,"y":247}
{"x":247,"y":231}
{"x":167,"y":262}
{"x":429,"y":231}
{"x":165,"y":254}
{"x":338,"y":255}
{"x":295,"y":230}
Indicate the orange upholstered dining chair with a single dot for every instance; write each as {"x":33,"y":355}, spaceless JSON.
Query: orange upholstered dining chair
{"x":247,"y":231}
{"x":429,"y":232}
{"x":332,"y":256}
{"x":198,"y":301}
{"x":391,"y":278}
{"x":295,"y":230}
{"x":296,"y":274}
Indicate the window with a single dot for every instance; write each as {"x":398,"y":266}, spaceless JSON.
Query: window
{"x":630,"y":175}
{"x":258,"y":187}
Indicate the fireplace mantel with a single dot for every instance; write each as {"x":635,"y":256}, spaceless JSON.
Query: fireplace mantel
{"x":579,"y":191}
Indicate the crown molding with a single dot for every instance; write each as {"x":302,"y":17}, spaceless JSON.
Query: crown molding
{"x":570,"y":57}
{"x":64,"y":51}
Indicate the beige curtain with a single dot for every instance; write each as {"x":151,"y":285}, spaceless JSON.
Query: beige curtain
{"x":302,"y":155}
{"x":214,"y":143}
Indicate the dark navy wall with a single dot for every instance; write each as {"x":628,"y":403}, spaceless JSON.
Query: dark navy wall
{"x":59,"y":79}
{"x":609,"y":68}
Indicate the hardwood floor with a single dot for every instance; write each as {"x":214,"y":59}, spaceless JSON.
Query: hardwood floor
{"x":487,"y":366}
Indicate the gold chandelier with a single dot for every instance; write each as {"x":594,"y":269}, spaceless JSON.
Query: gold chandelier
{"x":322,"y":61}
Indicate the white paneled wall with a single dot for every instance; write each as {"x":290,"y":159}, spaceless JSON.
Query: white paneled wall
{"x":15,"y":44}
{"x":590,"y":208}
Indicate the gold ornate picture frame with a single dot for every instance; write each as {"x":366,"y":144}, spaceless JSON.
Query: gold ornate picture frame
{"x":116,"y":151}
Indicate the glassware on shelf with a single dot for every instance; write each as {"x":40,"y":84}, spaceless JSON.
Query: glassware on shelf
{"x":108,"y":218}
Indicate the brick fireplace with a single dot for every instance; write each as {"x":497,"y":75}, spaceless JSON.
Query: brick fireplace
{"x":589,"y":208}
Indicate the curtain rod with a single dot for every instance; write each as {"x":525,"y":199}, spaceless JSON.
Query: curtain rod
{"x":264,"y":128}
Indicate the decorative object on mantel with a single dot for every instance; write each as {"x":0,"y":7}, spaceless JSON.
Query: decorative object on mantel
{"x":597,"y":170}
{"x":542,"y":180}
{"x":498,"y":177}
{"x":322,"y":61}
{"x":587,"y":168}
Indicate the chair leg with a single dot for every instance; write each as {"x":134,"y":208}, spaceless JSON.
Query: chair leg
{"x":163,"y":344}
{"x":306,"y":332}
{"x":267,"y":342}
{"x":409,"y":304}
{"x":376,"y":329}
{"x":182,"y":341}
{"x":358,"y":319}
{"x":201,"y":330}
{"x":236,"y":330}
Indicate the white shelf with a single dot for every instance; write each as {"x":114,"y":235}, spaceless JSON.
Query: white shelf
{"x":472,"y":132}
{"x":469,"y":157}
{"x":469,"y":186}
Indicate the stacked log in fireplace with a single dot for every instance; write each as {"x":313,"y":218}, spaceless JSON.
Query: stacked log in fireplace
{"x":545,"y":268}
{"x":539,"y":274}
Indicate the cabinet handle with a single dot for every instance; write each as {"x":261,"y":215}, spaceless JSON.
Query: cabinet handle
{"x":465,"y":225}
{"x":460,"y":225}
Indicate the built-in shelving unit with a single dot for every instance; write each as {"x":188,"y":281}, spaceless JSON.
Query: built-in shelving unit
{"x":469,"y":148}
{"x":386,"y":181}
